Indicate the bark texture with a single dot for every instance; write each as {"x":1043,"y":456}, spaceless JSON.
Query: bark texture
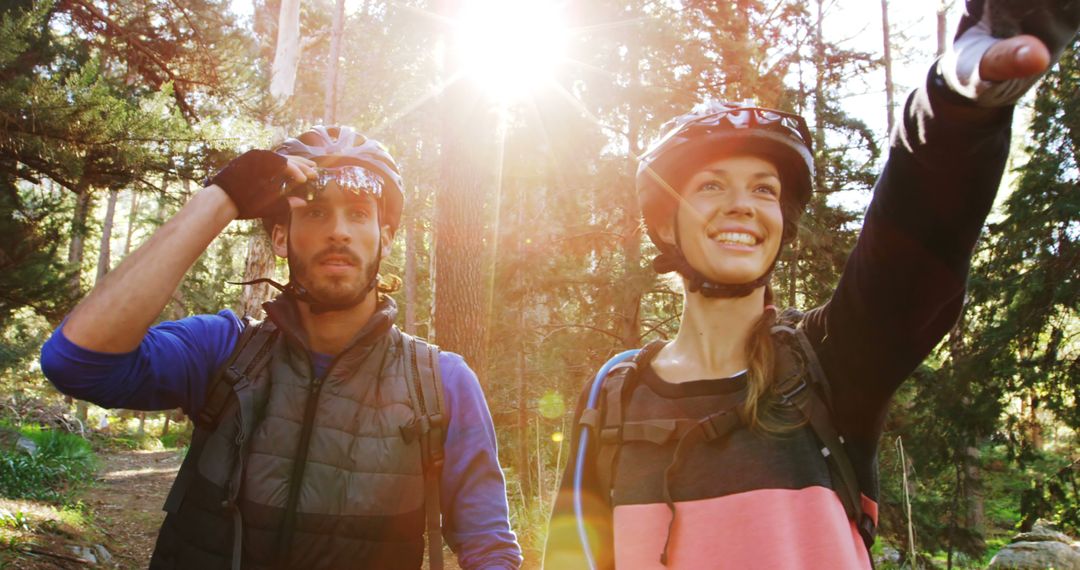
{"x":260,"y":263}
{"x":287,"y":54}
{"x":468,"y":167}
{"x":76,"y":247}
{"x":330,"y":104}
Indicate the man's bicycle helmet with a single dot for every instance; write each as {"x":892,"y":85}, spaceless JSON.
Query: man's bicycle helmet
{"x":342,"y":146}
{"x":708,"y":132}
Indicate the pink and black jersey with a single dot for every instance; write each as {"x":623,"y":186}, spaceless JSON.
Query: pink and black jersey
{"x":727,"y":491}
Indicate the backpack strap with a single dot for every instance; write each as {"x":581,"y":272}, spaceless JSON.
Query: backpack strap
{"x":796,"y":362}
{"x":248,"y":357}
{"x":426,"y":392}
{"x":610,"y":419}
{"x":251,"y":354}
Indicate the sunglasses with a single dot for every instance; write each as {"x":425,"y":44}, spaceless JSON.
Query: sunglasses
{"x":355,"y":179}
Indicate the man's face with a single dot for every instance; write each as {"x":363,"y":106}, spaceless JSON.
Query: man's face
{"x":333,"y":243}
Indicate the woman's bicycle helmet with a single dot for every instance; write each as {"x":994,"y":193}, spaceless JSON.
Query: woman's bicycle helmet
{"x":710,"y":131}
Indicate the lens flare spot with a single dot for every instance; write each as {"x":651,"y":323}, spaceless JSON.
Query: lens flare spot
{"x":552,"y":405}
{"x":557,"y":437}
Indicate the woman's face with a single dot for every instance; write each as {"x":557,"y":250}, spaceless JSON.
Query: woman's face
{"x":729,"y":221}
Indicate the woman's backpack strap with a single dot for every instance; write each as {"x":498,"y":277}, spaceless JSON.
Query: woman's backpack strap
{"x":801,"y":382}
{"x":609,"y":421}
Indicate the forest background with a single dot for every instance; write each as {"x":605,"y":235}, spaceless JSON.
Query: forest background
{"x":521,"y":246}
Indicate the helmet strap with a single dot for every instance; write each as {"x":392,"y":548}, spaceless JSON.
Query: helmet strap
{"x":674,"y":260}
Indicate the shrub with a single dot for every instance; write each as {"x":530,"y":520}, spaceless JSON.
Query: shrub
{"x":60,"y":463}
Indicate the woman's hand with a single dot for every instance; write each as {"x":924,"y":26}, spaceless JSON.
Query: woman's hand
{"x":1002,"y":47}
{"x":1015,"y":58}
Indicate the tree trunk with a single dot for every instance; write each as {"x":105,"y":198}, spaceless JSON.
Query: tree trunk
{"x":330,"y":104}
{"x":82,"y":409}
{"x":165,"y":426}
{"x":461,"y":270}
{"x":890,"y":103}
{"x":628,"y":309}
{"x":974,"y":512}
{"x":539,"y":463}
{"x":413,"y":227}
{"x":793,"y":274}
{"x":1035,"y":430}
{"x":260,"y":263}
{"x":287,"y":53}
{"x":523,"y":468}
{"x":260,"y":257}
{"x":104,"y":254}
{"x":132,"y":215}
{"x":819,"y":99}
{"x":83,"y":203}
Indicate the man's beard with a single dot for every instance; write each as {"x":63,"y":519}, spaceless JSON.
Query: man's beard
{"x":334,"y":290}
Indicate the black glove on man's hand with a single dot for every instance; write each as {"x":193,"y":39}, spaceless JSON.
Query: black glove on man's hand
{"x":254,"y":181}
{"x":985,"y":22}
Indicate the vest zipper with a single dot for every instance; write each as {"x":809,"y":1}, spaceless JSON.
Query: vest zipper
{"x":288,"y":524}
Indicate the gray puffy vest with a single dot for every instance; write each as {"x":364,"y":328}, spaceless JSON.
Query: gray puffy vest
{"x":296,"y":471}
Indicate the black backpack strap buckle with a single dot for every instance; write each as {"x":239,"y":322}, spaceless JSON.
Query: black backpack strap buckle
{"x":590,"y":418}
{"x":611,"y":435}
{"x":787,"y":398}
{"x":720,"y":424}
{"x":410,"y":430}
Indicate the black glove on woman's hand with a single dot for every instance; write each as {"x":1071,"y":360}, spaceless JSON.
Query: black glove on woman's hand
{"x":254,"y":181}
{"x":985,"y":22}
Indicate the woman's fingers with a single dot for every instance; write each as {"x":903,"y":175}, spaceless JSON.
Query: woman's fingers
{"x":1014,"y":58}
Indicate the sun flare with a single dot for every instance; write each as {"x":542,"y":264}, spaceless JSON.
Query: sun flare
{"x":510,"y":47}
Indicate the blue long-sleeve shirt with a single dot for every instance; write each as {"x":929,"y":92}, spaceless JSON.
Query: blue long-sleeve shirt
{"x":175,"y":362}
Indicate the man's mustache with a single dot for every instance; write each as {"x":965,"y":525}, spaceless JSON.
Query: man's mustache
{"x":337,"y":251}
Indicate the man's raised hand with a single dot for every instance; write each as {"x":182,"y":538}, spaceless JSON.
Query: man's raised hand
{"x":255,"y":180}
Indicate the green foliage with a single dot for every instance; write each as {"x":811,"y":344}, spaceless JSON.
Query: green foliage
{"x":20,"y":344}
{"x":16,"y":521}
{"x":1008,"y":374}
{"x":1053,"y":496}
{"x":176,"y":439}
{"x":61,"y":463}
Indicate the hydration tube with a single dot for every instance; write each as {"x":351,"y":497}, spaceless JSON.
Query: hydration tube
{"x":579,"y":464}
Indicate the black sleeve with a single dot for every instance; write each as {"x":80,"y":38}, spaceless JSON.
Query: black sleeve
{"x":564,"y":549}
{"x":903,"y":286}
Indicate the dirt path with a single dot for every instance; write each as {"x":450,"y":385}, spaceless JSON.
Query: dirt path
{"x":127,"y":501}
